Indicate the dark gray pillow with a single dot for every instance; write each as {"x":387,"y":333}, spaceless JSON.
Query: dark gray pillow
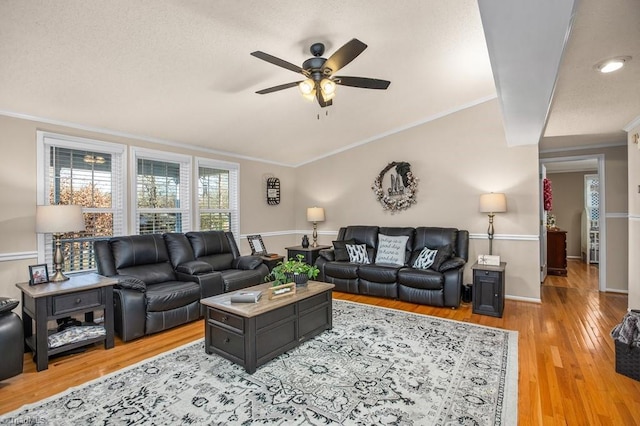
{"x":444,"y":253}
{"x":340,"y":250}
{"x":452,"y":263}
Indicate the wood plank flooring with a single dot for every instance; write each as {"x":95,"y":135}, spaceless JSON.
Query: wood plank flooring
{"x":566,"y":356}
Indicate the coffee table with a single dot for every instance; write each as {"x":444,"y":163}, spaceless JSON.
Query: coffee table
{"x":251,"y":334}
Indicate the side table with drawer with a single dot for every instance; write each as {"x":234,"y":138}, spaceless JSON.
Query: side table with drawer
{"x":310,"y":254}
{"x":81,"y":294}
{"x":488,"y":289}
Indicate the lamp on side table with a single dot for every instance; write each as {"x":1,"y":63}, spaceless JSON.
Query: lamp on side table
{"x":58,"y":219}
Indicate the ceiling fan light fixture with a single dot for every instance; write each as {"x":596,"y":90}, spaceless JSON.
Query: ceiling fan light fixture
{"x":328,"y":87}
{"x":612,"y":64}
{"x":307,"y":87}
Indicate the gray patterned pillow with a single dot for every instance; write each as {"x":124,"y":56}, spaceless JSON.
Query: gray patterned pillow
{"x":425,"y":259}
{"x":358,"y":253}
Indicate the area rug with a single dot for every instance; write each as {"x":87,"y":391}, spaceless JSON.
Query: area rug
{"x":376,"y":366}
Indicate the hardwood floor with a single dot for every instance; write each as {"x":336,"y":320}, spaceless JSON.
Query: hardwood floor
{"x":566,"y":356}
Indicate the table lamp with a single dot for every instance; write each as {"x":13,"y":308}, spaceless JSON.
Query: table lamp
{"x":59,"y":219}
{"x":315,"y":215}
{"x":492,"y":203}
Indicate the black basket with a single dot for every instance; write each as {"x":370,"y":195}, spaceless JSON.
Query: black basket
{"x":627,"y":360}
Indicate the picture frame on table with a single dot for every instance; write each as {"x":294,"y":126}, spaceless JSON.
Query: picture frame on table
{"x":257,"y":245}
{"x":38,"y":274}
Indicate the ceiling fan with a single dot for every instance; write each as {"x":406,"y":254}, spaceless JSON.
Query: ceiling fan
{"x":321,"y":81}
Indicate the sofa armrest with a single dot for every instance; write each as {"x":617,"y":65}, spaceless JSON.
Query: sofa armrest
{"x":130,"y":282}
{"x":130,"y":313}
{"x":328,"y":254}
{"x":452,"y":263}
{"x":211,"y":283}
{"x":453,"y":280}
{"x":194,"y":267}
{"x":246,"y":262}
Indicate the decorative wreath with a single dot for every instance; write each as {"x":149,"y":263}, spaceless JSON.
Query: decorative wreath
{"x":402,"y":196}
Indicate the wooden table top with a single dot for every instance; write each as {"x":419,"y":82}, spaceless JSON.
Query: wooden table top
{"x":247,"y":310}
{"x":76,"y":282}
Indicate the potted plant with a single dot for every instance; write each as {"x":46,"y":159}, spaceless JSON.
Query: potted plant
{"x":293,"y":270}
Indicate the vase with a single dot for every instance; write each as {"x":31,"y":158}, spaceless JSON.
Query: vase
{"x":305,"y":241}
{"x":300,"y":279}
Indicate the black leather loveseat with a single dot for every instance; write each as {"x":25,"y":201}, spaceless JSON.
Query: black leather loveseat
{"x":161,"y":278}
{"x":374,"y":274}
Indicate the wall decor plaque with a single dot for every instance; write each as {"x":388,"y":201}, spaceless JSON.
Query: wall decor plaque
{"x":396,"y":186}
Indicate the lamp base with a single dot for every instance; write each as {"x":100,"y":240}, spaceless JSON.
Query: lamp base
{"x":58,"y":277}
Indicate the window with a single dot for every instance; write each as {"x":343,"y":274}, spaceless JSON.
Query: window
{"x":88,"y":173}
{"x":218,"y":196}
{"x":161,"y":191}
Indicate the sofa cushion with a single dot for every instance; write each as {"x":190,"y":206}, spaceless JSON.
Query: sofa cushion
{"x":444,"y":253}
{"x":391,"y":250}
{"x":219,"y":262}
{"x":136,"y":250}
{"x":379,"y":273}
{"x":427,"y":279}
{"x":171,"y":294}
{"x":340,"y":250}
{"x":358,"y":253}
{"x":361,"y":235}
{"x":247,"y":262}
{"x":425,"y":258}
{"x":209,"y":243}
{"x":341,"y":270}
{"x":434,"y":237}
{"x":152,"y":273}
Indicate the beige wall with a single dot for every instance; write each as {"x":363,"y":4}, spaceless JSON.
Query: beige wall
{"x":456,"y":158}
{"x":634,"y":219}
{"x":568,"y":204}
{"x":616,"y":212}
{"x":18,"y":195}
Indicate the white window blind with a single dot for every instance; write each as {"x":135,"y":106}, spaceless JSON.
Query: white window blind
{"x":162,"y":192}
{"x":85,"y":172}
{"x":218,"y":196}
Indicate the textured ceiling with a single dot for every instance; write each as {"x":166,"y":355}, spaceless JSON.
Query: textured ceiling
{"x":180,"y":71}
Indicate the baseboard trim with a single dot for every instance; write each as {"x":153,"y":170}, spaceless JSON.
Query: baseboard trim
{"x":616,"y":290}
{"x":523,"y":299}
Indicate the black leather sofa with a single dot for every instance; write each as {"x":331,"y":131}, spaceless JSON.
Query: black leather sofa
{"x":11,"y":339}
{"x":439,"y":285}
{"x":161,"y":278}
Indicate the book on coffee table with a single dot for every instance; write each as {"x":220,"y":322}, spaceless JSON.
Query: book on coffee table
{"x":246,"y":297}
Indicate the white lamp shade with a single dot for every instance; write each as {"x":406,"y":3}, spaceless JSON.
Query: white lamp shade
{"x":315,"y":214}
{"x":58,"y":219}
{"x":493,"y":203}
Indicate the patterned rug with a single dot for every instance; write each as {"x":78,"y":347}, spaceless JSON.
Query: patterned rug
{"x":376,"y":366}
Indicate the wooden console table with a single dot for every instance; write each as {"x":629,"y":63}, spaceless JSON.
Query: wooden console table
{"x":81,"y":294}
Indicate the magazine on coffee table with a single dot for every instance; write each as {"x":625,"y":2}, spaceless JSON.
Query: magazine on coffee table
{"x":246,"y":297}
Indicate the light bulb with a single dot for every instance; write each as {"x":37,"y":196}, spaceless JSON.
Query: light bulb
{"x":328,"y":86}
{"x":307,"y":87}
{"x":612,"y":66}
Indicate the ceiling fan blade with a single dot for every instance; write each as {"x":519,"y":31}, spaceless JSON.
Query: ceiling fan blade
{"x":276,"y":88}
{"x":279,"y":62}
{"x":344,"y":55}
{"x":323,"y":103}
{"x":363,"y":82}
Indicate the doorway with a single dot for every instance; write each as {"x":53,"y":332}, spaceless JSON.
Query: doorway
{"x":580,"y":259}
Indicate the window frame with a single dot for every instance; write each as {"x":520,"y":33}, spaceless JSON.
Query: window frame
{"x":185,"y":163}
{"x":44,"y":141}
{"x":234,"y":192}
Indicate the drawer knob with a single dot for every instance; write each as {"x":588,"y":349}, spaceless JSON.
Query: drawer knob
{"x":225,"y":318}
{"x":78,"y":300}
{"x":486,"y":272}
{"x":227,"y":340}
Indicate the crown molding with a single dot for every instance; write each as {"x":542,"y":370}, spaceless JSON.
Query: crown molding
{"x":583,"y":147}
{"x":632,"y":125}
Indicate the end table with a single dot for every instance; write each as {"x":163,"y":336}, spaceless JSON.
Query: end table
{"x":81,"y":294}
{"x":488,"y":289}
{"x":310,"y":254}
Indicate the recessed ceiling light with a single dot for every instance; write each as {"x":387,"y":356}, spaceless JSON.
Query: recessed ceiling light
{"x":612,"y":64}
